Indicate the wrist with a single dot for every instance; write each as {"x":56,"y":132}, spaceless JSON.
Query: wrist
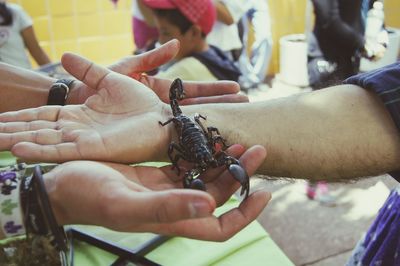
{"x":74,"y":94}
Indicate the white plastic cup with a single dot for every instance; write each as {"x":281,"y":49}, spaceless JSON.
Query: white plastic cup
{"x":293,"y":60}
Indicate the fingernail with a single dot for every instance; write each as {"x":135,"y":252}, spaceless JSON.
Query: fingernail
{"x":199,"y":209}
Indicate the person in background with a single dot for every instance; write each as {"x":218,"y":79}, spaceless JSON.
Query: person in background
{"x":190,"y":22}
{"x":144,"y":32}
{"x":225,"y":32}
{"x":337,"y":42}
{"x":336,"y":46}
{"x":254,"y":65}
{"x":16,"y":34}
{"x":231,"y":34}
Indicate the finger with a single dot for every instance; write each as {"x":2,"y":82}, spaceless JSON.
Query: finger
{"x":197,"y":89}
{"x":48,"y":113}
{"x":147,"y":61}
{"x":41,"y":137}
{"x":86,"y":71}
{"x":213,"y":228}
{"x":11,"y":127}
{"x":193,"y":89}
{"x":48,"y":153}
{"x":229,"y":98}
{"x":161,"y":207}
{"x":223,"y":187}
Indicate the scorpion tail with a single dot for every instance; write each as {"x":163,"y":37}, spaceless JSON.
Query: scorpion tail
{"x":241,"y":176}
{"x":176,"y":93}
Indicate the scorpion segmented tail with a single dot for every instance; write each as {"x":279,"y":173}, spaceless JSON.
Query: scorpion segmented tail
{"x":176,"y":93}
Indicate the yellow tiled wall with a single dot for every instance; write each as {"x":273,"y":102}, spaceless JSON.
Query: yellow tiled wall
{"x":93,"y":28}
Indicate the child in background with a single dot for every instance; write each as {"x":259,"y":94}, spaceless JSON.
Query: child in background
{"x":16,"y":34}
{"x":190,"y":22}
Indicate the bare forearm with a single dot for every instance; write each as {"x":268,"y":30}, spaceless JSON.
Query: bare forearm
{"x":21,"y":88}
{"x":340,"y":132}
{"x":40,"y":56}
{"x":33,"y":46}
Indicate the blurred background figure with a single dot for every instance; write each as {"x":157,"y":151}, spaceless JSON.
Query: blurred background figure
{"x":319,"y":191}
{"x":341,"y":36}
{"x":236,"y":21}
{"x":16,"y":34}
{"x":145,"y":34}
{"x":225,"y":32}
{"x":337,"y":41}
{"x":190,"y":22}
{"x":254,"y":60}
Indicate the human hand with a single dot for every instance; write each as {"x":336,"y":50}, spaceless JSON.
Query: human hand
{"x":135,"y":66}
{"x":150,"y":199}
{"x":118,"y":123}
{"x":132,"y":66}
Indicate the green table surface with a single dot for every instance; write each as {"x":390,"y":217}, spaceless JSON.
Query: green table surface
{"x":251,"y":246}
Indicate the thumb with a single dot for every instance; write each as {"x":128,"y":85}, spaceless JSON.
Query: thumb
{"x":134,"y":65}
{"x":84,"y":70}
{"x":172,"y":205}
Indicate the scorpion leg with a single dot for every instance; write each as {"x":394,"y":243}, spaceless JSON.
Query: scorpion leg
{"x":197,"y":119}
{"x":212,"y":139}
{"x":217,"y":138}
{"x":173,"y":146}
{"x":167,"y":122}
{"x":237,"y":171}
{"x":194,"y":183}
{"x":220,"y":139}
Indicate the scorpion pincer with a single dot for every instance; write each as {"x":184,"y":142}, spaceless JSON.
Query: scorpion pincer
{"x":197,"y":145}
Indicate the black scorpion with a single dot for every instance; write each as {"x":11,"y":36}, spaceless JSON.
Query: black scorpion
{"x":197,"y":145}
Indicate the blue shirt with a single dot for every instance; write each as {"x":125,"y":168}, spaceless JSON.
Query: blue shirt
{"x":385,"y":82}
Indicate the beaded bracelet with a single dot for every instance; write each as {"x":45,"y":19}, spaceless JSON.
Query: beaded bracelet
{"x":11,"y":216}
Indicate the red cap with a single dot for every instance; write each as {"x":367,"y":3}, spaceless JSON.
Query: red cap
{"x":199,"y":12}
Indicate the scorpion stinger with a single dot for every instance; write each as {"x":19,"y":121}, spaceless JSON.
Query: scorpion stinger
{"x":241,"y":176}
{"x":197,"y":145}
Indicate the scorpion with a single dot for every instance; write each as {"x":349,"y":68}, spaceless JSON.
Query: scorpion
{"x":198,"y":145}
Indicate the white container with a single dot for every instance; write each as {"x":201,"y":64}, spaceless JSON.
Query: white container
{"x":293,"y":60}
{"x":391,"y":54}
{"x":374,"y":22}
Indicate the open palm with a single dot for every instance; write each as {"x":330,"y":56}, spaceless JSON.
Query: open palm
{"x":122,"y":109}
{"x":150,"y":199}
